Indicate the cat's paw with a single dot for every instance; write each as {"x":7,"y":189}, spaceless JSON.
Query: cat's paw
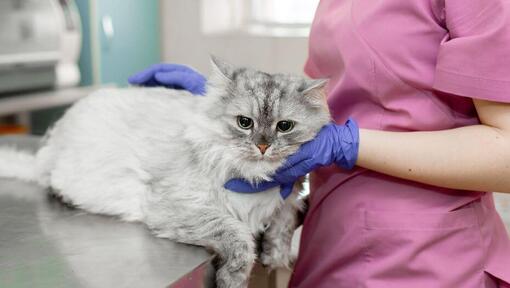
{"x":234,"y":270}
{"x":276,"y":257}
{"x":229,"y":279}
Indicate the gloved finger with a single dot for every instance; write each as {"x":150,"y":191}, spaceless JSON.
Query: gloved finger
{"x":290,"y":164}
{"x":303,"y":153}
{"x":142,"y":77}
{"x":150,"y":83}
{"x":292,"y":173}
{"x":243,"y":186}
{"x":192,"y":82}
{"x":286,"y":190}
{"x":145,"y":75}
{"x":167,"y":67}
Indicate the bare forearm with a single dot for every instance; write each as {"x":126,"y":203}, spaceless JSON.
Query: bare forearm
{"x":471,"y":158}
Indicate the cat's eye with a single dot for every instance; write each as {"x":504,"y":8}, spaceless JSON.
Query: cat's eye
{"x":244,"y":122}
{"x":285,"y":125}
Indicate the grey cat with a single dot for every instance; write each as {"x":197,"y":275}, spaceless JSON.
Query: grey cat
{"x":162,"y":156}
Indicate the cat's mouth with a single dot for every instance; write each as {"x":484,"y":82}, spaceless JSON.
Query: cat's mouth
{"x":271,"y":156}
{"x":264,"y":158}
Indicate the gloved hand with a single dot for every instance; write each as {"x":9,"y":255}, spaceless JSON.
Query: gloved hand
{"x":173,"y":76}
{"x":333,"y":144}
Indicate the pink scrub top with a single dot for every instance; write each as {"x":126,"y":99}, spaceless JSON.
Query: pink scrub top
{"x":405,"y":65}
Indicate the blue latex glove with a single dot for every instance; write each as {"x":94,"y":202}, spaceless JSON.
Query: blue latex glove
{"x":173,"y":76}
{"x":333,"y":144}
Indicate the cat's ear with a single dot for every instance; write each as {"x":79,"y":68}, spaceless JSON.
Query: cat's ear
{"x":315,"y":91}
{"x":221,"y":69}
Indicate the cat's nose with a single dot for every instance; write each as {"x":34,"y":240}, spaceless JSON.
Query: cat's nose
{"x":263,"y":147}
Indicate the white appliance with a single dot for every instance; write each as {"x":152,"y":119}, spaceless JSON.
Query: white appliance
{"x":40,"y":43}
{"x":67,"y":71}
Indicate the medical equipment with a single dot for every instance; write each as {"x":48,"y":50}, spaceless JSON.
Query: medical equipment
{"x":39,"y":44}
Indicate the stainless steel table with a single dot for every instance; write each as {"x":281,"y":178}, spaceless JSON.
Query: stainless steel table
{"x":43,"y":243}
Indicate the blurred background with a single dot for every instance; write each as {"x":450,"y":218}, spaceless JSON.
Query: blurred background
{"x":53,"y":52}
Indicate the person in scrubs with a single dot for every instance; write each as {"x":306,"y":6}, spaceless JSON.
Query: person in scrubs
{"x":428,"y":84}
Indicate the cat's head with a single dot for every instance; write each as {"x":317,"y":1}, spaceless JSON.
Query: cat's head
{"x":265,"y":117}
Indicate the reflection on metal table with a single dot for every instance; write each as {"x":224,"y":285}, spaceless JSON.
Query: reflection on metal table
{"x":43,"y":243}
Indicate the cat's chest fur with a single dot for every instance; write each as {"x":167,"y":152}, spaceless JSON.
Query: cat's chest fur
{"x":208,"y":165}
{"x":254,"y":209}
{"x":205,"y":186}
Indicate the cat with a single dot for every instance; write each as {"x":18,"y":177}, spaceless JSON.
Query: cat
{"x":161,"y":157}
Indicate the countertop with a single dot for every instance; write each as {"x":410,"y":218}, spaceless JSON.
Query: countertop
{"x":12,"y":103}
{"x":43,"y":243}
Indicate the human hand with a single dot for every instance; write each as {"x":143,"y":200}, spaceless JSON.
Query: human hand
{"x":333,"y":144}
{"x":173,"y":76}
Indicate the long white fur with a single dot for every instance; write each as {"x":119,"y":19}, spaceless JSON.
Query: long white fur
{"x":96,"y":147}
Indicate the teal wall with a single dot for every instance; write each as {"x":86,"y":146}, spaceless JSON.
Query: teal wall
{"x":136,"y":43}
{"x":85,"y":62}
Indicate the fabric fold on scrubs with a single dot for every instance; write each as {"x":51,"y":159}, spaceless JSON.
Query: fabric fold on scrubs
{"x":474,"y":61}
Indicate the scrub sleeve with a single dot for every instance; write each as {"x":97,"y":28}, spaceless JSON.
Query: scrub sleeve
{"x":405,"y":66}
{"x":475,"y":61}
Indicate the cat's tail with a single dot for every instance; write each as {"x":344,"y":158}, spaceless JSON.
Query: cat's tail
{"x":17,"y":164}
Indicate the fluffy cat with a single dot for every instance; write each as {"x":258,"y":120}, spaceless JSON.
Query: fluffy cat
{"x":162,"y":156}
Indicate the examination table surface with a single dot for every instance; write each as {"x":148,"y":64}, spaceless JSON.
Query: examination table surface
{"x":43,"y":243}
